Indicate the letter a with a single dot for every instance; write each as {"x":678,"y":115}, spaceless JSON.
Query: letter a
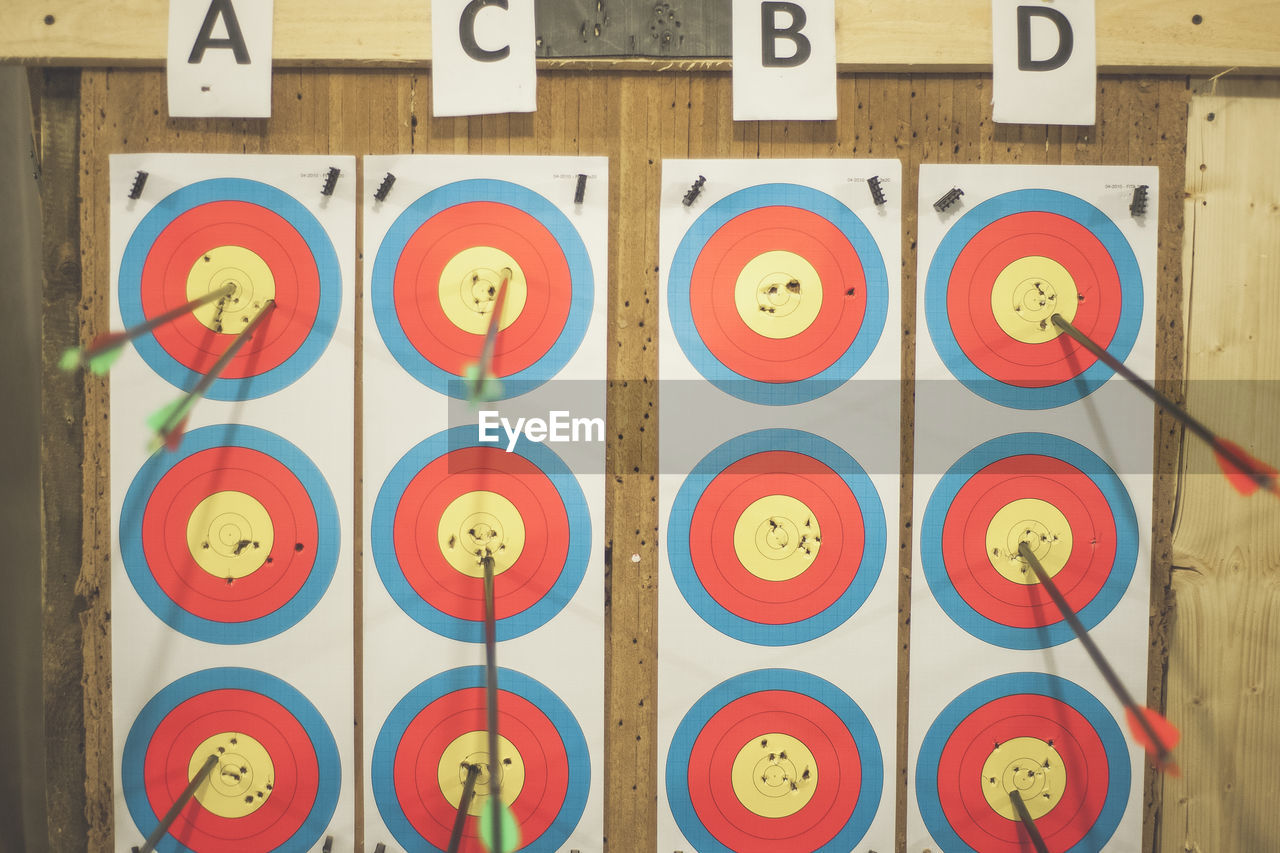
{"x":234,"y":39}
{"x":770,"y":33}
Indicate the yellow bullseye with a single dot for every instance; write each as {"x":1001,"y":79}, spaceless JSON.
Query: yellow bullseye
{"x":230,"y":535}
{"x":1038,"y":523}
{"x":234,"y":265}
{"x":1030,"y":766}
{"x":478,"y":522}
{"x":1027,"y":293}
{"x":243,"y":779}
{"x":468,"y":288}
{"x":776,"y":538}
{"x":473,"y":748}
{"x":774,"y":775}
{"x":778,"y":294}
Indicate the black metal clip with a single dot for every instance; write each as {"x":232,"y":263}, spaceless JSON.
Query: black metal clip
{"x":139,"y":181}
{"x":380,"y":194}
{"x":381,"y":848}
{"x":877,"y":191}
{"x":328,"y":844}
{"x":694,"y":191}
{"x":1138,"y":205}
{"x":330,"y":180}
{"x":581,"y":191}
{"x":949,"y":198}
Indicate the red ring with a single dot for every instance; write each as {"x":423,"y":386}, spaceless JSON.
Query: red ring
{"x":988,"y":253}
{"x":534,"y":736}
{"x":835,"y":753}
{"x":715,"y":275}
{"x":232,"y":223}
{"x":1046,"y":478}
{"x":445,"y":478}
{"x":164,"y":534}
{"x":549,"y":291}
{"x":722,"y":503}
{"x":294,"y":788}
{"x":1022,"y":715}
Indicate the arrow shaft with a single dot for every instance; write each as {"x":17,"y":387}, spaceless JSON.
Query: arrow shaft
{"x":1247,"y":466}
{"x":491,"y":333}
{"x":1095,"y":653}
{"x":491,"y":701}
{"x":218,"y":366}
{"x":170,"y":816}
{"x":464,"y":804}
{"x":1037,"y":840}
{"x":162,"y":319}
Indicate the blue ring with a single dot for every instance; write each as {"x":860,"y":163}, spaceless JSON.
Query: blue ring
{"x":328,"y":531}
{"x":1041,"y":444}
{"x":382,"y":766}
{"x":283,"y":205}
{"x":382,"y":528}
{"x":692,"y":245}
{"x":872,"y":783}
{"x":865,"y":573}
{"x":1009,"y":684}
{"x":231,"y":678}
{"x":955,"y":241}
{"x":415,"y":216}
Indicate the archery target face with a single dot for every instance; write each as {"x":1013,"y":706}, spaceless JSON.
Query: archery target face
{"x":436,"y":732}
{"x":1004,"y":269}
{"x":450,"y":500}
{"x":1040,"y":734}
{"x":436,"y":278}
{"x":247,"y":234}
{"x":233,"y":538}
{"x":774,"y":759}
{"x":1054,"y":494}
{"x":275,"y":786}
{"x":776,"y":537}
{"x":777,"y":294}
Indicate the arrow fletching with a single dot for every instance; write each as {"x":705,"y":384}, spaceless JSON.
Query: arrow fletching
{"x":510,"y":829}
{"x":1244,"y":472}
{"x":170,"y":420}
{"x":479,"y":390}
{"x":1166,"y":731}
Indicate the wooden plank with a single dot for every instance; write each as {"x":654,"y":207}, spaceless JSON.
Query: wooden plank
{"x":1224,"y":646}
{"x":911,"y":35}
{"x":67,"y":593}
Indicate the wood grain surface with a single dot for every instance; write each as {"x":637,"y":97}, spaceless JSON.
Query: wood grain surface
{"x":636,"y":119}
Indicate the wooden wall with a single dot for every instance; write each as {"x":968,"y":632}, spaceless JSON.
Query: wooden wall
{"x":638,"y":118}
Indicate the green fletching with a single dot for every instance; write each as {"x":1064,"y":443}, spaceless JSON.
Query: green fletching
{"x":165,"y":418}
{"x":70,"y":359}
{"x":101,"y":363}
{"x":490,"y":387}
{"x":510,"y":830}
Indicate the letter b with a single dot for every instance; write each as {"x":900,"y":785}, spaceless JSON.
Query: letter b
{"x":770,"y":33}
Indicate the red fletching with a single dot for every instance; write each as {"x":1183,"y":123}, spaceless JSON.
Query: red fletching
{"x":1166,"y":731}
{"x":174,"y":439}
{"x":1244,"y":479}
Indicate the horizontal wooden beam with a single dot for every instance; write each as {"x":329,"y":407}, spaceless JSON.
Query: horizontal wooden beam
{"x":1173,"y":36}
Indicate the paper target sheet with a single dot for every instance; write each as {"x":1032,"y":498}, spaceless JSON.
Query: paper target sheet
{"x":457,"y":247}
{"x":1022,"y":436}
{"x":231,"y":559}
{"x":778,"y":486}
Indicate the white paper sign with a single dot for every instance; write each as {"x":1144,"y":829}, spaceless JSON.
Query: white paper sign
{"x":1044,"y":61}
{"x":482,"y":55}
{"x":784,"y":59}
{"x":219,"y":60}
